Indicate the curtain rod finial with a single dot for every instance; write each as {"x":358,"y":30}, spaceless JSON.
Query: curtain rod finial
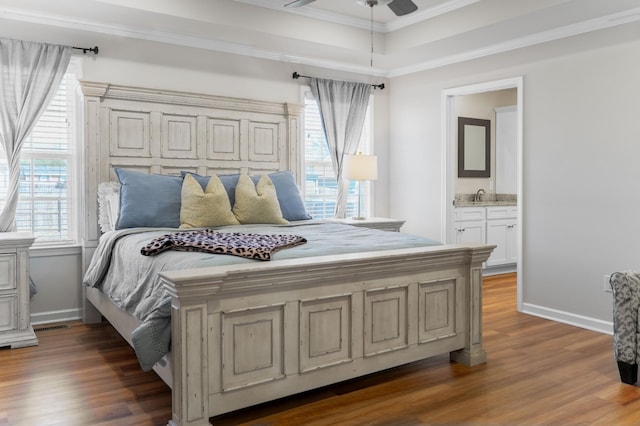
{"x":87,"y":49}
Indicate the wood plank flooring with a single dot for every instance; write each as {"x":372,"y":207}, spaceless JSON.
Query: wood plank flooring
{"x":539,"y":373}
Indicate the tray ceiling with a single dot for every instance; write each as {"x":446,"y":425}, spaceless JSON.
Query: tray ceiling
{"x":334,"y":34}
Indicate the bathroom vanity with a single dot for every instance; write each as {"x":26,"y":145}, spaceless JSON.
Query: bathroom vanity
{"x":492,"y":219}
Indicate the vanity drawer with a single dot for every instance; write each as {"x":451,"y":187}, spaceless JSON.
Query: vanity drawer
{"x":502,"y":212}
{"x":8,"y":315}
{"x":7,"y":272}
{"x":468,"y":213}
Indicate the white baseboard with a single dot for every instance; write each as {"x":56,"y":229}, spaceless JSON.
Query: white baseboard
{"x":592,"y":324}
{"x":497,"y":270}
{"x":56,"y":316}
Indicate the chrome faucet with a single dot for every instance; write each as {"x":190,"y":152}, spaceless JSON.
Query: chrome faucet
{"x":478,"y":196}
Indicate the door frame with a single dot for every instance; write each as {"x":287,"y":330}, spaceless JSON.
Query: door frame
{"x":449,"y":158}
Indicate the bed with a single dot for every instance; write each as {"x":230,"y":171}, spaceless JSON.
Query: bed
{"x":249,"y":332}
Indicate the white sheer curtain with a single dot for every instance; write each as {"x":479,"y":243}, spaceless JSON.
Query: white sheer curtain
{"x":343,"y":106}
{"x":30,"y":74}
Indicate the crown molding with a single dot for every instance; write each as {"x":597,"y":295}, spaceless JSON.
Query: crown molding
{"x":600,"y":23}
{"x":423,"y":15}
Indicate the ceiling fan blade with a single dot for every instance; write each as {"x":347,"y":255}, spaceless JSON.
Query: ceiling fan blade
{"x":298,"y":3}
{"x":402,"y":7}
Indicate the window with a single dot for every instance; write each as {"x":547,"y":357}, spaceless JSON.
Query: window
{"x":46,"y":204}
{"x":320,"y":186}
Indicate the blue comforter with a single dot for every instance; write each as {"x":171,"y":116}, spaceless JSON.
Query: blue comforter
{"x":131,"y":280}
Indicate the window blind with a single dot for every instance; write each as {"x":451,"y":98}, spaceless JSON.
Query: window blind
{"x":45,"y":205}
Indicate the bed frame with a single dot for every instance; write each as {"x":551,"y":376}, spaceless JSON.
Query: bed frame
{"x":246,"y":334}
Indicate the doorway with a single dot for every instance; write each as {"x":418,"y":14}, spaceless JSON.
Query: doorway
{"x":449,"y":161}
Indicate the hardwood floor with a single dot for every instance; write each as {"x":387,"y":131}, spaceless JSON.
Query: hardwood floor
{"x":539,"y":373}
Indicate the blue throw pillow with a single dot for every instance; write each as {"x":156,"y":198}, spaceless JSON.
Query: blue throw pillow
{"x":289,"y":196}
{"x":148,"y":200}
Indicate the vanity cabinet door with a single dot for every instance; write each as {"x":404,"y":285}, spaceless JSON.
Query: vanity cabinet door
{"x":502,"y":233}
{"x":470,"y":231}
{"x":468,"y":225}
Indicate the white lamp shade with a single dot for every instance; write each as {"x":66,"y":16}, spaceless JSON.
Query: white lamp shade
{"x":360,"y":167}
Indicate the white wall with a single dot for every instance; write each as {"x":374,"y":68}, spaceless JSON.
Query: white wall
{"x":147,"y":64}
{"x":581,"y":151}
{"x":57,"y":273}
{"x":581,"y":177}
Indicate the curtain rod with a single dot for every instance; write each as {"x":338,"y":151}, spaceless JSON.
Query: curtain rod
{"x":87,"y":49}
{"x":297,"y":76}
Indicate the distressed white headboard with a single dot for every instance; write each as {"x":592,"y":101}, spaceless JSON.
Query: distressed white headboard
{"x":159,"y":131}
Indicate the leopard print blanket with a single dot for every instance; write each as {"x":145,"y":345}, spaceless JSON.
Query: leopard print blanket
{"x":253,"y":246}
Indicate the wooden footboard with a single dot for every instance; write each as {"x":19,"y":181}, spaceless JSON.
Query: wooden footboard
{"x":246,"y":334}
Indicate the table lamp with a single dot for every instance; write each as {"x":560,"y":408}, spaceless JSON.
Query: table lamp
{"x":360,"y":167}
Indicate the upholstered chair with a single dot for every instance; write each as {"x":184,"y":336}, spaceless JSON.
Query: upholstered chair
{"x":626,"y":303}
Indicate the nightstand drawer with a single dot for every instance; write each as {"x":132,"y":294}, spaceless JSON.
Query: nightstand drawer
{"x":15,"y":322}
{"x":8,"y":312}
{"x":7,"y":272}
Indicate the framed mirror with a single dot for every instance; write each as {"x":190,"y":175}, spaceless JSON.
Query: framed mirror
{"x":474,"y":146}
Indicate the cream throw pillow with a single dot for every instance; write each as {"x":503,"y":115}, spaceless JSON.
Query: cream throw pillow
{"x":257,"y":203}
{"x":210,"y":207}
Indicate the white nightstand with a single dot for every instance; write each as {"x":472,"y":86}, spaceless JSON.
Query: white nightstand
{"x":15,"y":321}
{"x":382,"y":223}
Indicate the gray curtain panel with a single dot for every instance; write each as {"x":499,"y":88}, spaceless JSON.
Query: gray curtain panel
{"x":343,"y":106}
{"x":30,"y":74}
